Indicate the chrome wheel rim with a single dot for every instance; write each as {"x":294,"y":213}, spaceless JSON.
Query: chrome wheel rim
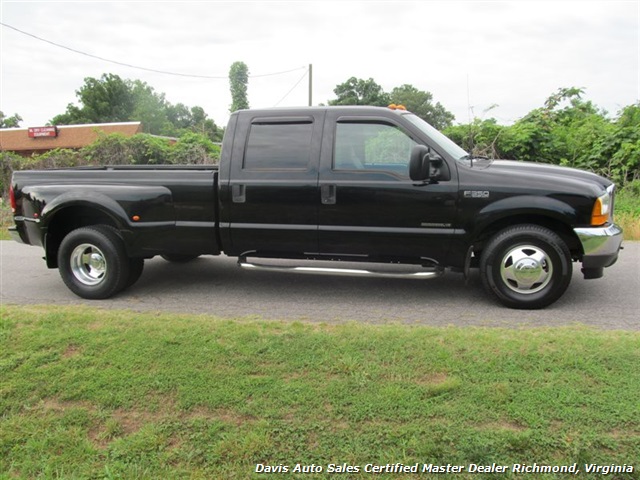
{"x":88,"y":264}
{"x":526,"y":269}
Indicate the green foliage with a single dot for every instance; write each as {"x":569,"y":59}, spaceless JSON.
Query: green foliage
{"x":148,"y":150}
{"x":103,"y":100}
{"x":628,"y":199}
{"x":10,"y":122}
{"x":194,"y":148}
{"x":151,"y":109}
{"x":421,"y":103}
{"x":238,"y":80}
{"x":144,"y":149}
{"x":480,"y":137}
{"x":390,"y":146}
{"x":112,"y":99}
{"x":8,"y":163}
{"x":566,"y":131}
{"x":141,"y":395}
{"x":107,"y":150}
{"x":58,"y":158}
{"x":622,"y":145}
{"x":185,"y":120}
{"x":116,"y":149}
{"x":357,"y":91}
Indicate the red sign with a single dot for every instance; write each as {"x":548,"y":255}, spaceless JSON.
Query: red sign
{"x":35,"y":132}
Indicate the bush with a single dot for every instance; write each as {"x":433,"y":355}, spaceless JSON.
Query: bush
{"x":628,"y":199}
{"x":107,"y":150}
{"x":115,"y":149}
{"x":58,"y":158}
{"x":194,"y":149}
{"x":146,"y":149}
{"x":567,"y":131}
{"x":8,"y":163}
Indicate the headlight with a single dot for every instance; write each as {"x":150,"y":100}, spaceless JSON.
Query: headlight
{"x":601,"y":210}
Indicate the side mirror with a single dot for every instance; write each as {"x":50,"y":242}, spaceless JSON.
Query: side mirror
{"x":419,"y":163}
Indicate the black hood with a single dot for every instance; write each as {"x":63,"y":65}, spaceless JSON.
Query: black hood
{"x":543,"y":172}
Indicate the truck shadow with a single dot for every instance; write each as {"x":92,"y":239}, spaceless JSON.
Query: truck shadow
{"x":218,"y":286}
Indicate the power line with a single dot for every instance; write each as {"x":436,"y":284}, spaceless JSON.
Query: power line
{"x":292,"y":88}
{"x":164,"y":72}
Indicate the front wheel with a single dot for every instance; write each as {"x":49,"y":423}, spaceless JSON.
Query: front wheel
{"x":93,"y":262}
{"x":526,"y":267}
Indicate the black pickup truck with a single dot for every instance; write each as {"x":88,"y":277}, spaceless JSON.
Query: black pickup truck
{"x":343,"y":184}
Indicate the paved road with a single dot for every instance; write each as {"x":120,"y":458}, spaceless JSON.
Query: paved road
{"x":215,"y":285}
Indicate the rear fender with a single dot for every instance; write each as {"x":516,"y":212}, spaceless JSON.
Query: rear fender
{"x":127,"y":206}
{"x":130,"y":209}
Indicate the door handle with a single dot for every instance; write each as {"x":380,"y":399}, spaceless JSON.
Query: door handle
{"x":328,"y":194}
{"x":239,"y":193}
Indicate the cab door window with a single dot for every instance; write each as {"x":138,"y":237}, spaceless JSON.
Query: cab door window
{"x":372,"y":146}
{"x":279,"y":146}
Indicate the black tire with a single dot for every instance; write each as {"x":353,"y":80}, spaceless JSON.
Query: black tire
{"x":177,"y":258}
{"x":93,"y":262}
{"x":136,"y":266}
{"x":526,"y":267}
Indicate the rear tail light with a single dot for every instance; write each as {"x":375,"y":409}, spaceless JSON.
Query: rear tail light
{"x":12,"y":199}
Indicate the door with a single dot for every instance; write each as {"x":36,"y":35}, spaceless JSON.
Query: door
{"x":370,"y":206}
{"x":273,"y":186}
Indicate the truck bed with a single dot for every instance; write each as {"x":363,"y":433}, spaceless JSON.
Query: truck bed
{"x":174,"y":210}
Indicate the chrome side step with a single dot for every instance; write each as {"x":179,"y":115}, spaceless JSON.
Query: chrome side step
{"x":388,"y":272}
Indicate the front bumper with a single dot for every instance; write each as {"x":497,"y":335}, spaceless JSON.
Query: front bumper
{"x":601,"y":246}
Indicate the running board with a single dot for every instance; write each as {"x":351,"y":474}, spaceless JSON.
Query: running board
{"x":431,"y":272}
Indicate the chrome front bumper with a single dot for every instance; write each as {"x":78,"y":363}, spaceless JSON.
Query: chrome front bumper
{"x":600,"y":246}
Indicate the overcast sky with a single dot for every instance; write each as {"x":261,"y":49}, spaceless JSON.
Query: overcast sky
{"x":513,"y":54}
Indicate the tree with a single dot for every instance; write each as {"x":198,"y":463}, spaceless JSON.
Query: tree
{"x":621,"y":148}
{"x":204,"y":125}
{"x":238,"y":80}
{"x":357,"y":91}
{"x":150,"y":108}
{"x":482,"y":137}
{"x":562,"y":131}
{"x":112,"y":99}
{"x":103,"y":100}
{"x":10,"y":122}
{"x":566,"y":130}
{"x":421,"y":103}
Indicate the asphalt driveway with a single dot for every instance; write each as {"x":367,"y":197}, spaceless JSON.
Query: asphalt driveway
{"x":216,"y":285}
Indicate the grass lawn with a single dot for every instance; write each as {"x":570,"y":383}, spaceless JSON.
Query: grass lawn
{"x":86,"y":393}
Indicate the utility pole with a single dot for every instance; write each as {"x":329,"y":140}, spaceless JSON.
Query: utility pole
{"x":310,"y":85}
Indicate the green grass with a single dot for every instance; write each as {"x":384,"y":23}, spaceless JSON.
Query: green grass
{"x":628,"y":199}
{"x":627,"y":211}
{"x":6,"y":219}
{"x":87,"y":393}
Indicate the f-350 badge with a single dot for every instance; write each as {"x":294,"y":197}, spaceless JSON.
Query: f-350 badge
{"x":476,"y":194}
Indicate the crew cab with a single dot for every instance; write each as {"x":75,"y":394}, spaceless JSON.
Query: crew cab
{"x":342,"y":184}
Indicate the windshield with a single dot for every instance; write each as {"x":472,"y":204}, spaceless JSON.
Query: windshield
{"x":444,"y":142}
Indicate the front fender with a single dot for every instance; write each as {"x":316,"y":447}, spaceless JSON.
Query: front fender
{"x":524,"y":206}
